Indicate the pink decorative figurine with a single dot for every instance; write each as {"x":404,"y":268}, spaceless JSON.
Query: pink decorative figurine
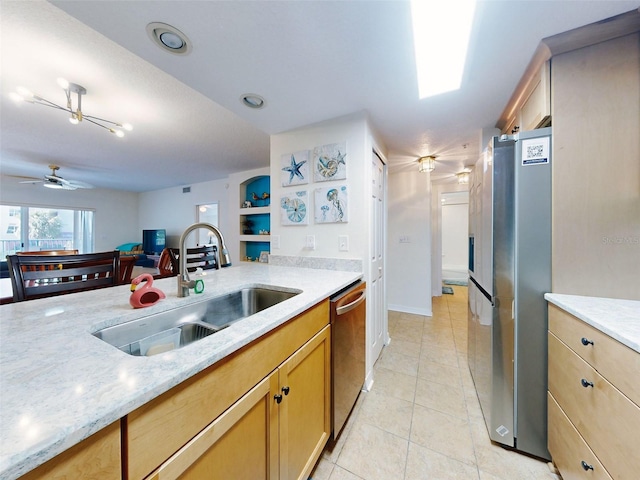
{"x":147,"y":294}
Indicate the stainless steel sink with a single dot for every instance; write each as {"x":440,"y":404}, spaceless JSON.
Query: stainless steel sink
{"x":181,"y":326}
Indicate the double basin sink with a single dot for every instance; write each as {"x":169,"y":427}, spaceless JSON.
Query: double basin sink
{"x":181,"y":326}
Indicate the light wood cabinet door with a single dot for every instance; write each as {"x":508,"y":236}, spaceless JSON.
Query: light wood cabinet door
{"x":241,"y":443}
{"x":305,"y":408}
{"x":96,"y":458}
{"x":570,"y":452}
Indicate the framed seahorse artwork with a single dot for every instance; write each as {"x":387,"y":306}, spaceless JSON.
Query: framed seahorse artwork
{"x":294,"y":168}
{"x":330,"y":162}
{"x":294,"y":209}
{"x":331,"y":205}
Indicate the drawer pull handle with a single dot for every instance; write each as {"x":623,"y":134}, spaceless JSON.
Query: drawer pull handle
{"x":586,"y":466}
{"x":586,"y":341}
{"x":586,"y":383}
{"x":285,"y":390}
{"x":277,"y":397}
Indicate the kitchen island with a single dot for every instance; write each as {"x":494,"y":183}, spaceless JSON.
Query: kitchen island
{"x":60,"y":384}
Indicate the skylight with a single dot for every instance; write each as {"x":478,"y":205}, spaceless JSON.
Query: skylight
{"x":441,"y":31}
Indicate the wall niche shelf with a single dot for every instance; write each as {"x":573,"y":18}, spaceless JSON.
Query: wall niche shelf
{"x":254,"y":219}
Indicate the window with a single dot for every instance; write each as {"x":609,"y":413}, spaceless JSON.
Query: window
{"x":25,"y":228}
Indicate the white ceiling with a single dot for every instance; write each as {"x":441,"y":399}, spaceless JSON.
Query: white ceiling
{"x":311,"y":60}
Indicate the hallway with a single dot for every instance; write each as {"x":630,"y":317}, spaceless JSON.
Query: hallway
{"x":422,"y":419}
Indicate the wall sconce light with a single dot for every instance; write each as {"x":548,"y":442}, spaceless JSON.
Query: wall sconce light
{"x":426,"y":164}
{"x":463,"y":178}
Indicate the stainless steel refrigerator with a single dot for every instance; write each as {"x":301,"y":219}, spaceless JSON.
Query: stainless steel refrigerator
{"x":510,"y":271}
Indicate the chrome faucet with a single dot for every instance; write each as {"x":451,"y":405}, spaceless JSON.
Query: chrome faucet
{"x":184,"y":282}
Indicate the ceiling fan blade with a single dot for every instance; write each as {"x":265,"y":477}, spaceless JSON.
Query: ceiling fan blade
{"x":77,"y":184}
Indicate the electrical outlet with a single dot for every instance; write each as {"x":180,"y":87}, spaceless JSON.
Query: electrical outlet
{"x":343,"y":243}
{"x":310,"y":242}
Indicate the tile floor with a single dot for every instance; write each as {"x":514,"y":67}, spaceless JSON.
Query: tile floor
{"x":422,"y":419}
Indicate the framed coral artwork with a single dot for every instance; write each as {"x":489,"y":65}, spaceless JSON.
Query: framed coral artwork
{"x":294,"y":209}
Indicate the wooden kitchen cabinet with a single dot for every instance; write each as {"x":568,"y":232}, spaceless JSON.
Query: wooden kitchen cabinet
{"x":158,"y":431}
{"x":276,"y":431}
{"x":95,"y":458}
{"x":594,"y":419}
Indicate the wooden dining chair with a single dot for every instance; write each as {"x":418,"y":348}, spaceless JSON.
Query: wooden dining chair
{"x":127,"y":262}
{"x":39,"y":276}
{"x":167,"y":264}
{"x":205,"y":257}
{"x":49,"y":252}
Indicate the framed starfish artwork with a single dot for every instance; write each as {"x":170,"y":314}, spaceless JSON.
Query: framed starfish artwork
{"x":295,"y":168}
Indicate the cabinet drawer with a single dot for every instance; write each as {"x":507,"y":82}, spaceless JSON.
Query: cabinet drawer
{"x":607,"y":420}
{"x":614,"y":361}
{"x":568,"y":449}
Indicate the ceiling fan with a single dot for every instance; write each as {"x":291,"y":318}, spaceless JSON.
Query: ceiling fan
{"x":55,"y":181}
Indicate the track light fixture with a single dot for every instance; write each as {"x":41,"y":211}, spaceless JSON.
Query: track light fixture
{"x":76,"y":115}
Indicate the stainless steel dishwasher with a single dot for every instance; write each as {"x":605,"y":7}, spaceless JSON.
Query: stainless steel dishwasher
{"x":348,"y":320}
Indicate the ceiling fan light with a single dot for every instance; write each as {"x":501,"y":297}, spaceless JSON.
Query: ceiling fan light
{"x":24,"y":93}
{"x":73,"y":120}
{"x":16,"y":97}
{"x":63,"y":83}
{"x":119,"y":133}
{"x":127,"y":126}
{"x":52,"y":185}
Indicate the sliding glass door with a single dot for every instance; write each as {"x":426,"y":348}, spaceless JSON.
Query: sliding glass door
{"x":24,"y":228}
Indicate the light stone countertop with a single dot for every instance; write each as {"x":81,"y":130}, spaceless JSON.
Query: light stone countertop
{"x":59,"y":384}
{"x":620,"y":319}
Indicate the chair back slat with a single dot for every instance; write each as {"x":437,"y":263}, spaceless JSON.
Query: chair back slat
{"x":205,"y":257}
{"x":38,"y":276}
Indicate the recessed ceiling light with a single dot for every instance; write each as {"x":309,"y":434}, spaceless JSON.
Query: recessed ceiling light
{"x":252,"y":100}
{"x":169,"y":38}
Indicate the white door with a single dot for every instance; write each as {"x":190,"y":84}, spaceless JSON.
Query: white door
{"x":377,"y":313}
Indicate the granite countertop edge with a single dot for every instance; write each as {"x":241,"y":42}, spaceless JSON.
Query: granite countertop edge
{"x":60,"y":384}
{"x":618,"y":318}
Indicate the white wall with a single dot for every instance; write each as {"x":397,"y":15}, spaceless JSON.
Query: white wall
{"x":174,"y":210}
{"x":354,"y":131}
{"x":436,"y":232}
{"x":455,"y":234}
{"x":409,"y":262}
{"x":116,"y":211}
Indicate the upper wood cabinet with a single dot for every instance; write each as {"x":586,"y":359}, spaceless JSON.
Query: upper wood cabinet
{"x":530,"y":104}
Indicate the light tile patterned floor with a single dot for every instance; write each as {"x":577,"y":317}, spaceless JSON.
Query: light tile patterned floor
{"x":422,"y":420}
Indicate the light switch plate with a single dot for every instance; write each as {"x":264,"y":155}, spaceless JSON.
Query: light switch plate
{"x":310,"y":242}
{"x":343,"y":243}
{"x":275,"y":241}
